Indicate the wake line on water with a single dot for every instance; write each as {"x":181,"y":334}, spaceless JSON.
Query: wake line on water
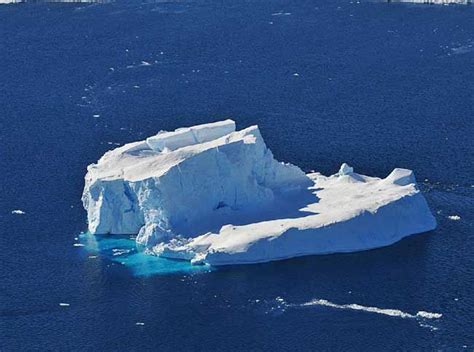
{"x":421,"y":316}
{"x":390,"y":312}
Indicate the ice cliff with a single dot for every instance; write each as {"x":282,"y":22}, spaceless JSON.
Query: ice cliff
{"x":211,"y":194}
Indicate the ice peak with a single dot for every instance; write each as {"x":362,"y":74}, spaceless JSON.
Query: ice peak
{"x":345,"y":169}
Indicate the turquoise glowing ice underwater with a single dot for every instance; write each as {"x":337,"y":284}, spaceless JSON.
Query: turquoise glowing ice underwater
{"x":124,"y":250}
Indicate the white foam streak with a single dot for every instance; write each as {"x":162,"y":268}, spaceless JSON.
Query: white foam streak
{"x":428,"y":315}
{"x":389,"y":312}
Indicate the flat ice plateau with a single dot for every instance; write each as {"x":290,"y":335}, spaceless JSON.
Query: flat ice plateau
{"x":211,"y":194}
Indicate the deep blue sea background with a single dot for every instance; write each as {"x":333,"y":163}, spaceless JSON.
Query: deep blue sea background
{"x":378,"y":86}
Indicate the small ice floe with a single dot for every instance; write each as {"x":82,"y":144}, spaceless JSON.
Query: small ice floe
{"x":64,"y":304}
{"x":18,"y":212}
{"x":118,"y":251}
{"x":78,"y":245}
{"x":454,"y":217}
{"x":139,"y":323}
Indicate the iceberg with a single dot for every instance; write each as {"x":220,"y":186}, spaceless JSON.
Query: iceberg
{"x":212,"y":195}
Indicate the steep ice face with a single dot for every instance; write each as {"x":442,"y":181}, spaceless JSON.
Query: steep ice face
{"x":210,"y":194}
{"x":182,"y":186}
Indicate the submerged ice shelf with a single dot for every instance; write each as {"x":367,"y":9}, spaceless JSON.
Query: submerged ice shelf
{"x":211,"y":194}
{"x":123,"y":250}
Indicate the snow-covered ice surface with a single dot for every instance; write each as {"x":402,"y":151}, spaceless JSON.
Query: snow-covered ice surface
{"x":210,"y":194}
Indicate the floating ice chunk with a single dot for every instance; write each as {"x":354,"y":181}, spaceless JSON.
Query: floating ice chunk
{"x":118,"y":251}
{"x":18,"y":212}
{"x":454,"y":217}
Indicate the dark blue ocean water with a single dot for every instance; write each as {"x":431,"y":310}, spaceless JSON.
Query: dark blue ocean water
{"x":378,"y":86}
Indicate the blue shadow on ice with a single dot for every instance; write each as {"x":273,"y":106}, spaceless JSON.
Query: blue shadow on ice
{"x":124,"y":250}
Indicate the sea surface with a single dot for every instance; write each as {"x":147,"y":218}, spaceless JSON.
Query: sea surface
{"x":377,"y":85}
